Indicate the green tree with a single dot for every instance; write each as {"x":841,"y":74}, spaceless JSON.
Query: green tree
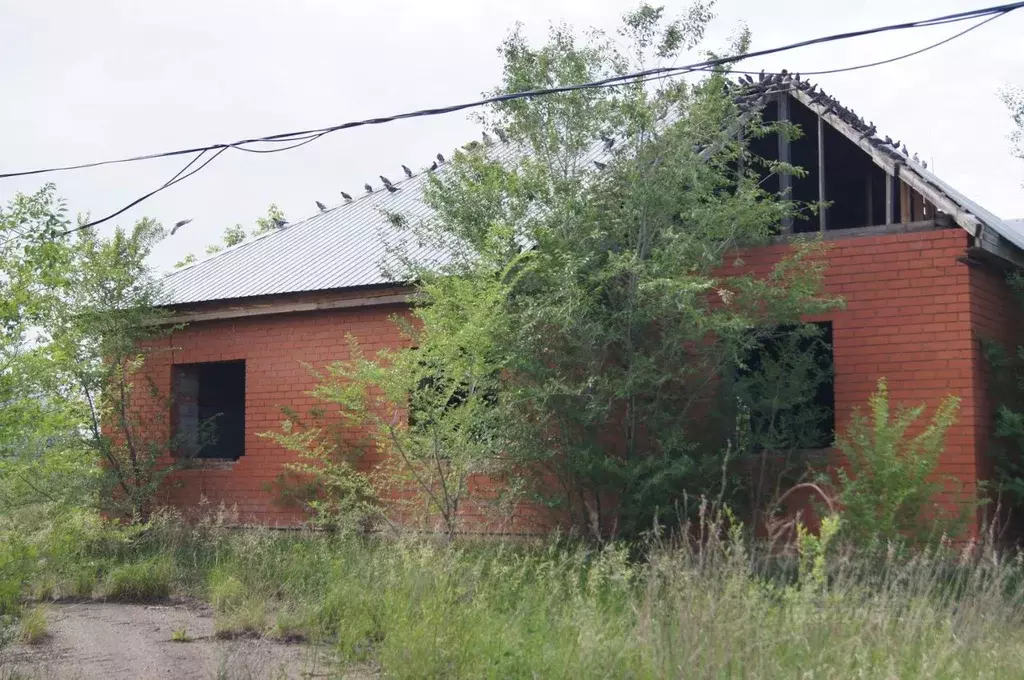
{"x":603,"y":298}
{"x":41,"y":457}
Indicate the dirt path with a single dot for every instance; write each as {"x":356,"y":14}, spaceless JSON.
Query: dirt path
{"x":111,"y":641}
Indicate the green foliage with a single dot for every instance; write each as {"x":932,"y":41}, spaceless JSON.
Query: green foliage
{"x":891,"y":491}
{"x":265,"y":224}
{"x":32,"y":627}
{"x":1006,"y":368}
{"x":180,"y":635}
{"x":324,"y":479}
{"x":429,"y":409}
{"x":721,"y":607}
{"x":607,"y":306}
{"x":186,"y":261}
{"x":233,"y":235}
{"x":139,"y":581}
{"x":103,"y":327}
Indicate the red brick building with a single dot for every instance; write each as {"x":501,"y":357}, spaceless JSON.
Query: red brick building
{"x":921,"y":268}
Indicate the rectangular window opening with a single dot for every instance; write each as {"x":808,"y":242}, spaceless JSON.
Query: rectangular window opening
{"x":209,"y":409}
{"x":787,"y":383}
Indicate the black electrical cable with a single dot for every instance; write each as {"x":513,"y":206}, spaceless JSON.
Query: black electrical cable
{"x":307,"y":136}
{"x":310,"y":135}
{"x":901,"y":57}
{"x":179,"y":177}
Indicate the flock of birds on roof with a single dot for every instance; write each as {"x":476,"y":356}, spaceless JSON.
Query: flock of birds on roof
{"x":747,"y":93}
{"x":755,"y":93}
{"x":440,"y":160}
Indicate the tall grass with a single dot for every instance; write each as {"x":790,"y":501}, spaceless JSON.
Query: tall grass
{"x":718,"y":608}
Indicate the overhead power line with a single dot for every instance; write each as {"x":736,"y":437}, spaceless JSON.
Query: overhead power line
{"x":300,"y":138}
{"x":883,"y":62}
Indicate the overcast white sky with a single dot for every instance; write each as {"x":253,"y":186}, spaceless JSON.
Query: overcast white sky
{"x":82,"y":81}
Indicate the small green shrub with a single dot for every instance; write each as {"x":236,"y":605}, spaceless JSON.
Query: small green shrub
{"x":225,"y":590}
{"x":81,"y":582}
{"x":248,"y":618}
{"x":32,"y":627}
{"x":180,"y":635}
{"x":139,"y":581}
{"x":291,"y":625}
{"x":891,"y":490}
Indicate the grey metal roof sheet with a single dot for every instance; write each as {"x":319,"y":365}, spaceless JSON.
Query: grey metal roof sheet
{"x":346,"y":246}
{"x":1016,"y":226}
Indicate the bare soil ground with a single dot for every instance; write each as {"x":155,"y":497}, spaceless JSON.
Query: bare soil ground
{"x":93,"y":640}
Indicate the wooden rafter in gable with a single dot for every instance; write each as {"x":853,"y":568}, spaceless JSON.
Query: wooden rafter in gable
{"x":906,"y":173}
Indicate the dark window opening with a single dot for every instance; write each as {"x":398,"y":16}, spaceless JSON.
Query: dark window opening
{"x":425,"y":399}
{"x":428,"y":405}
{"x":209,"y":409}
{"x":787,"y":384}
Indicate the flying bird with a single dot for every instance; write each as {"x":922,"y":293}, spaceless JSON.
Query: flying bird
{"x":391,"y":188}
{"x":407,"y":171}
{"x":608,"y":142}
{"x":178,"y":225}
{"x":599,"y":165}
{"x":487,"y":139}
{"x":368,"y":188}
{"x":323,"y":208}
{"x":346,"y":196}
{"x":440,"y":158}
{"x":384,"y":179}
{"x":501,"y":135}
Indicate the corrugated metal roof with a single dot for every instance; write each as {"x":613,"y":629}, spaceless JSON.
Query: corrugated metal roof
{"x":346,"y":246}
{"x":1016,"y":226}
{"x":343,"y":247}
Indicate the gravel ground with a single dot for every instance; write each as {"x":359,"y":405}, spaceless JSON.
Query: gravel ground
{"x":111,"y":641}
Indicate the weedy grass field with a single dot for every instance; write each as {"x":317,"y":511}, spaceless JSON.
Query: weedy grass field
{"x":415,"y":607}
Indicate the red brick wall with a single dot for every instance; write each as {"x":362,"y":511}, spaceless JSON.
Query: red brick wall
{"x":907,"y":318}
{"x":274,"y":349}
{"x":911,"y":315}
